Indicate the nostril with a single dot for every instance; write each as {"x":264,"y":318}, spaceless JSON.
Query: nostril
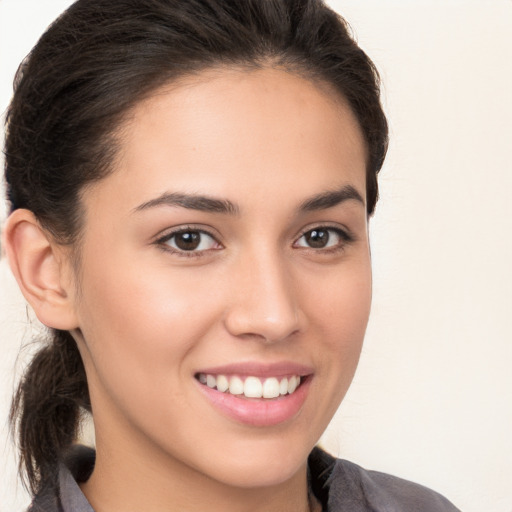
{"x":258,"y":324}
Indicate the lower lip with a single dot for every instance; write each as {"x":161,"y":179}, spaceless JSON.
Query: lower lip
{"x":258,"y":412}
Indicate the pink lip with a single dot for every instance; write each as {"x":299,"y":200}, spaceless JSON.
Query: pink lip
{"x":259,"y":412}
{"x":280,"y":369}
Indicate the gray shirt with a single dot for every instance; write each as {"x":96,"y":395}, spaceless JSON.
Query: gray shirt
{"x":340,"y":485}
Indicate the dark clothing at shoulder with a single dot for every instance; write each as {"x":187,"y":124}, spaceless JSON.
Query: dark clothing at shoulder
{"x":339,"y":485}
{"x":343,"y":486}
{"x":67,"y":496}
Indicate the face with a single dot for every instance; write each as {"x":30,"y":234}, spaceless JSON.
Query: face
{"x":226,"y":258}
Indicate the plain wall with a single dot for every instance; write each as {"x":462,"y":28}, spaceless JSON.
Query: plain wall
{"x":432,"y":398}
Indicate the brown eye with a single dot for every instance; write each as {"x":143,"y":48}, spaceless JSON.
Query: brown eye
{"x":317,"y":238}
{"x":190,"y":240}
{"x":323,"y":238}
{"x":187,"y":241}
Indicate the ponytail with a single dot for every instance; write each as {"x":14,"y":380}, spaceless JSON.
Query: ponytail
{"x":46,"y":409}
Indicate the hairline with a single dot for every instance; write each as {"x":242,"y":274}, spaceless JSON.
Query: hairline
{"x":203,"y":74}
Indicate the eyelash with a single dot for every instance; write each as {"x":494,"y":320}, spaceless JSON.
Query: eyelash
{"x":344,"y":235}
{"x":162,"y":242}
{"x":345,"y":239}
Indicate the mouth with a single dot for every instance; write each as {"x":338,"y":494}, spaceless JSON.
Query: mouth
{"x":254,"y":395}
{"x":251,"y":386}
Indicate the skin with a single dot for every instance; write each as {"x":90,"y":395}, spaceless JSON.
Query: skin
{"x":147,"y":318}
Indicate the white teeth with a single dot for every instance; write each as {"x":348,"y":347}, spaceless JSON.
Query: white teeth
{"x":252,"y":387}
{"x":283,"y":386}
{"x":211,"y":381}
{"x":236,"y":386}
{"x":270,"y":388}
{"x":222,"y":383}
{"x":293,"y":383}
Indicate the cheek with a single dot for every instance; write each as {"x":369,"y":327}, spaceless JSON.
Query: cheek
{"x":341,"y":303}
{"x":140,"y":329}
{"x":127,"y":295}
{"x":341,"y":306}
{"x":141,"y":321}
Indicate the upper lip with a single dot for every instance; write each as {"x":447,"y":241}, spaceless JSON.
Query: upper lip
{"x":258,"y":369}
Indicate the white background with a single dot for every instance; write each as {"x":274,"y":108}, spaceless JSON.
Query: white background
{"x":432,"y":399}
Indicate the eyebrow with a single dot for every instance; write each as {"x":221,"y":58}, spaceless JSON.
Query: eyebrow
{"x":332,"y":198}
{"x":204,"y":203}
{"x":191,"y":202}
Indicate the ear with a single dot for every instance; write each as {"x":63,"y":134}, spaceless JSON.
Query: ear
{"x":42,"y":269}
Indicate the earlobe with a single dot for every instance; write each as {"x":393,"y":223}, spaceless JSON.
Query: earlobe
{"x":40,"y":269}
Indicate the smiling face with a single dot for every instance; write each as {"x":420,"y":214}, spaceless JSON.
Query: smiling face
{"x":227,"y":255}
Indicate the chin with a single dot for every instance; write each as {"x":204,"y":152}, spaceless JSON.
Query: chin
{"x":261,"y":463}
{"x":268,"y":473}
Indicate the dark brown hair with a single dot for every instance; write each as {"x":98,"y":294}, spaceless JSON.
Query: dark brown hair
{"x":92,"y":65}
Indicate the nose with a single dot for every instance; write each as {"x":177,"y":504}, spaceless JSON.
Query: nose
{"x":264,"y":304}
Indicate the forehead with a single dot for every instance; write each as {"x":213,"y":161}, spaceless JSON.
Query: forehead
{"x":225,"y":129}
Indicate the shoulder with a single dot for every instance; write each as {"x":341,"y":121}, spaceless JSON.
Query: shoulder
{"x":342,"y":485}
{"x":64,"y":494}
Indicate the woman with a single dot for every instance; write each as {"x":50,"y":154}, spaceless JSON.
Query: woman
{"x":190,"y":186}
